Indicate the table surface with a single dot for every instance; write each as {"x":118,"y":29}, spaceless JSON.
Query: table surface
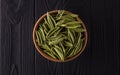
{"x":18,"y":55}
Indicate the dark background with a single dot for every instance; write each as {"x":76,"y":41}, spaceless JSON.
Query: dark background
{"x":18,"y":55}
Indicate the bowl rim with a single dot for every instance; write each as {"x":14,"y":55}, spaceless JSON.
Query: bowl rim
{"x":45,"y":55}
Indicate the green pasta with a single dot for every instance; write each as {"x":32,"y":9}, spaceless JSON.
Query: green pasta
{"x":60,"y":35}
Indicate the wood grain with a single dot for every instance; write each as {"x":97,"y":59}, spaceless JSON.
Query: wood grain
{"x":18,"y":55}
{"x":0,"y":42}
{"x":17,"y":47}
{"x":82,"y":64}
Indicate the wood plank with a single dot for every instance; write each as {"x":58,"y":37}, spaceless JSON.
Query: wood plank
{"x":105,"y":33}
{"x":28,"y":51}
{"x":5,"y":40}
{"x":17,"y":50}
{"x":0,"y":42}
{"x":81,"y":65}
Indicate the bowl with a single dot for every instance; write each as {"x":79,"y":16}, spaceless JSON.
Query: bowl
{"x":40,"y":49}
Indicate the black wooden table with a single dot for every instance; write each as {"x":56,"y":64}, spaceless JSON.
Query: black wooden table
{"x":18,"y":55}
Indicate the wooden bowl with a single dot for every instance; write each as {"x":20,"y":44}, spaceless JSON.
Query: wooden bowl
{"x":44,"y":54}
